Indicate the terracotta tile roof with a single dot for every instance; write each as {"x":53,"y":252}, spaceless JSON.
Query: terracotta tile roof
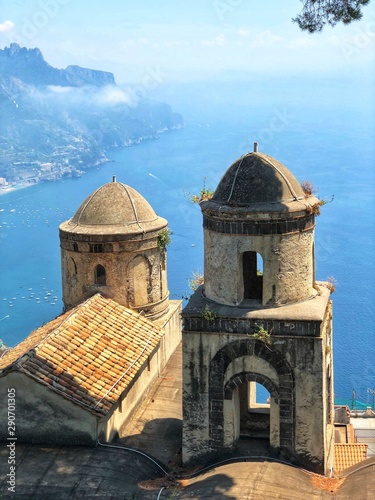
{"x":347,"y":455}
{"x":89,"y":354}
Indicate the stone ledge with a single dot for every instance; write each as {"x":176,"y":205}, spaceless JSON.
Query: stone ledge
{"x":300,"y":319}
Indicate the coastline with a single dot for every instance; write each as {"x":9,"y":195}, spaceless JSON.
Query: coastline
{"x":73,"y":172}
{"x":15,"y":187}
{"x":51,"y":176}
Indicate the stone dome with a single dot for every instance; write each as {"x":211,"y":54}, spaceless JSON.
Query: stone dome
{"x":114,"y":208}
{"x":259,"y":183}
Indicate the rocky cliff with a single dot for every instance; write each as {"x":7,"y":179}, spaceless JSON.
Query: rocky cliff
{"x":29,"y":66}
{"x":59,"y":122}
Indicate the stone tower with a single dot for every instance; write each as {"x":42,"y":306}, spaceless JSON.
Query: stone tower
{"x":114,"y":245}
{"x":259,"y":318}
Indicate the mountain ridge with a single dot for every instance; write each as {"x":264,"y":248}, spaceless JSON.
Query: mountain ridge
{"x":30,"y":66}
{"x":58,"y":123}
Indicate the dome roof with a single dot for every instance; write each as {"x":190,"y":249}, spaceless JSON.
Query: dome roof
{"x":114,"y":208}
{"x":260,"y":183}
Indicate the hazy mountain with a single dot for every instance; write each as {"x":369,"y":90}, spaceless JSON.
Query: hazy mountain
{"x":29,"y":66}
{"x":57,"y":122}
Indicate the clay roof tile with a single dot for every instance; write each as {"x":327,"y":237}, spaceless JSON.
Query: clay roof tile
{"x":347,"y":455}
{"x":91,"y":353}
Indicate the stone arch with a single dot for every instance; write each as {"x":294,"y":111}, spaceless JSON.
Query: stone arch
{"x":139,"y":275}
{"x":241,"y":378}
{"x":218,"y":390}
{"x":252,"y":281}
{"x":100,"y":275}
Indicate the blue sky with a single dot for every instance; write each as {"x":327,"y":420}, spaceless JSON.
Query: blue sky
{"x":182,"y":41}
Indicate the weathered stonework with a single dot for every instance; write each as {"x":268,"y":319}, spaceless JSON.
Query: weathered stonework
{"x":111,"y":246}
{"x":259,"y":209}
{"x":288,"y":271}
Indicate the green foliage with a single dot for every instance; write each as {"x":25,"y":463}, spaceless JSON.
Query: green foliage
{"x":208,"y":314}
{"x":309,"y":189}
{"x":204,"y":195}
{"x":316,"y":14}
{"x":164,"y":238}
{"x":196,"y":280}
{"x":315,"y":209}
{"x":262,"y":334}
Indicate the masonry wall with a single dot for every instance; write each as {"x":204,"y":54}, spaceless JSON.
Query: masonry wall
{"x":123,"y":411}
{"x":135,"y":271}
{"x":288,"y":270}
{"x":304,"y":426}
{"x":44,"y":417}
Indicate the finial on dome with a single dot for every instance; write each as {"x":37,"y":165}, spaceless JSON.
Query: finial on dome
{"x":113,"y":178}
{"x":255,"y":147}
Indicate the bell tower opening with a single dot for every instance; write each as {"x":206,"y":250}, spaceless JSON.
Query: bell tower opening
{"x":100,"y":275}
{"x":252,"y":273}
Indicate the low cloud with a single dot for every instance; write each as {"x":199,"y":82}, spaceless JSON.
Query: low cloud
{"x":107,"y":96}
{"x":6,"y":26}
{"x":113,"y":95}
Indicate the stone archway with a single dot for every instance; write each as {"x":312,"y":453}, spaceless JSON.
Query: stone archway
{"x":219,"y":391}
{"x":243,"y":419}
{"x":240,"y":378}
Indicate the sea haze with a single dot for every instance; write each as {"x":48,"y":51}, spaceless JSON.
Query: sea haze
{"x":321,"y":134}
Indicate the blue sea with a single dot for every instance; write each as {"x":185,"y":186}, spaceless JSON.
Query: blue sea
{"x":321,"y":136}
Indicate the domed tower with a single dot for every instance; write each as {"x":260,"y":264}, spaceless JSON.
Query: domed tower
{"x":259,"y":318}
{"x":260,"y":214}
{"x":114,"y":245}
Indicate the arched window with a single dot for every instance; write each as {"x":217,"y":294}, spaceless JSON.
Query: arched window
{"x":100,"y":275}
{"x":252,"y":269}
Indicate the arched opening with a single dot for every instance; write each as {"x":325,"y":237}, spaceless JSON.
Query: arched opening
{"x":252,"y":273}
{"x":252,"y":419}
{"x":139,"y":273}
{"x":240,"y":363}
{"x":100,"y":275}
{"x":259,"y":394}
{"x":255,"y":412}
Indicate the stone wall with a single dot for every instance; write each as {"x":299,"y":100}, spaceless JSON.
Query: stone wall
{"x":135,"y":271}
{"x":44,"y":417}
{"x":292,"y":368}
{"x":288,"y":270}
